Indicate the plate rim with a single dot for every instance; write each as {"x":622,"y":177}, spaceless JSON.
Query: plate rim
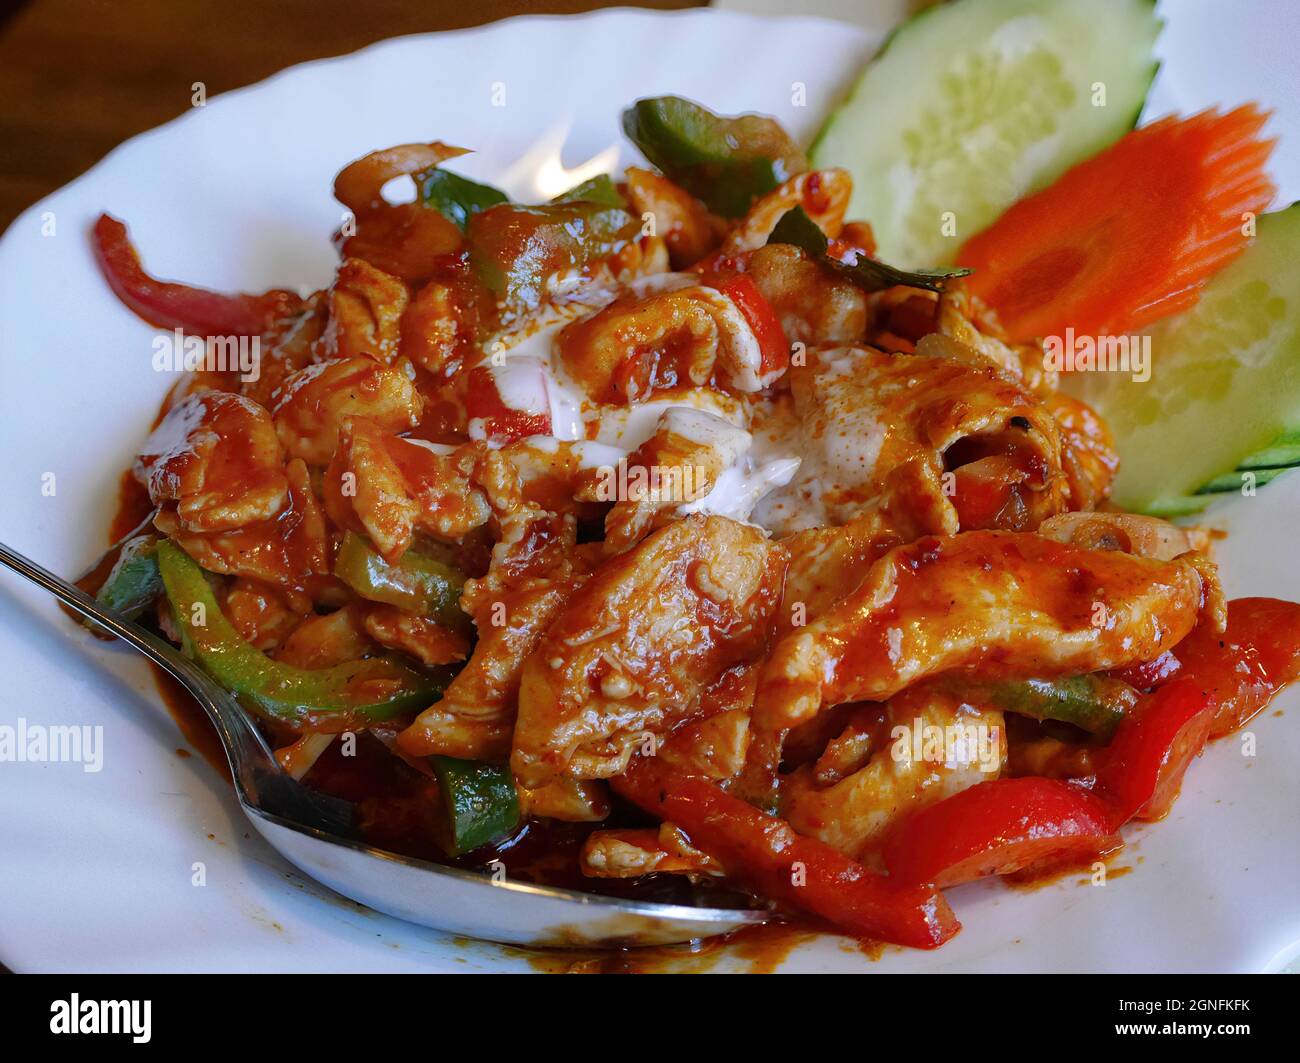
{"x":95,"y":171}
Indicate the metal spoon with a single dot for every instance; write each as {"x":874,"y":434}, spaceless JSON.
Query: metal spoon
{"x":314,"y":832}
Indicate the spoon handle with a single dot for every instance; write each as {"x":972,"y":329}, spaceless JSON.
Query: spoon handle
{"x":245,"y":748}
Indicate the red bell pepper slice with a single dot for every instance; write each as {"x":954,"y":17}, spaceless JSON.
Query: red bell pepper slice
{"x":765,"y":854}
{"x":1221,"y":681}
{"x":168,"y":305}
{"x":741,"y":290}
{"x":997,"y":827}
{"x":720,"y":265}
{"x":1246,"y":665}
{"x":1144,"y":765}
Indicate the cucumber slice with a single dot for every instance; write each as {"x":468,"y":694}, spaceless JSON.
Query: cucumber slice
{"x":972,"y":105}
{"x":1282,"y":453}
{"x":1233,"y":481}
{"x":1224,"y":387}
{"x":1265,"y":466}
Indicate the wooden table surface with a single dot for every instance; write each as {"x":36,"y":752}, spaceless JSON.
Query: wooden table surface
{"x":78,"y":77}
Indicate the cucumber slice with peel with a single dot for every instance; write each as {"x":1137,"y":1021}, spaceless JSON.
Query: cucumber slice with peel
{"x":1233,"y":481}
{"x":1282,"y":453}
{"x":972,"y":105}
{"x":1223,"y":398}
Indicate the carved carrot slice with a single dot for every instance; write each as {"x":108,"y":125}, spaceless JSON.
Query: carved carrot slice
{"x":1130,"y":235}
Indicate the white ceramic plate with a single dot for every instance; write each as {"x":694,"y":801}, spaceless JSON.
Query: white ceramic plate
{"x":98,"y":870}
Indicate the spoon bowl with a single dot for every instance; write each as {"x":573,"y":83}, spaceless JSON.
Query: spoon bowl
{"x":316,"y":833}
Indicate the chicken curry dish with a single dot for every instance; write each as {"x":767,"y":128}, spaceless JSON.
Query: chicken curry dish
{"x":662,"y":540}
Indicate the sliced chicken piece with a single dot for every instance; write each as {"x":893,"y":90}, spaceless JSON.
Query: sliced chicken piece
{"x":323,"y":640}
{"x":993,"y":604}
{"x":954,"y":325}
{"x":198,"y":382}
{"x":288,"y":345}
{"x":569,"y":800}
{"x":683,"y":222}
{"x":826,"y":564}
{"x":259,"y":613}
{"x":964,"y":320}
{"x":639,"y":642}
{"x":646,"y":256}
{"x":443,"y":322}
{"x":217,"y":457}
{"x":934,"y":444}
{"x":865,"y":733}
{"x":389,"y":487}
{"x":676,"y":466}
{"x":936,"y":746}
{"x":823,"y":194}
{"x":806,"y":743}
{"x":365,"y":313}
{"x":715,"y":742}
{"x":289,"y":551}
{"x":1088,"y":453}
{"x":712,"y":746}
{"x":632,"y":853}
{"x":689,"y":335}
{"x":425,"y":639}
{"x":309,"y":405}
{"x":536,"y":567}
{"x":1130,"y":532}
{"x":474,"y":718}
{"x":813,"y":302}
{"x":563,"y":476}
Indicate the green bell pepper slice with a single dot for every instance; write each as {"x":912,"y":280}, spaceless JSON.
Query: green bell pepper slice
{"x":456,"y":198}
{"x":514,"y":249}
{"x":481,"y":801}
{"x":1094,"y":703}
{"x":418,"y":583}
{"x":135,"y":582}
{"x":364,"y":691}
{"x":599,"y":189}
{"x":726,"y":162}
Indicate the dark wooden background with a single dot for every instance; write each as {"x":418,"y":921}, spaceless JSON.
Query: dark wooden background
{"x":78,"y":77}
